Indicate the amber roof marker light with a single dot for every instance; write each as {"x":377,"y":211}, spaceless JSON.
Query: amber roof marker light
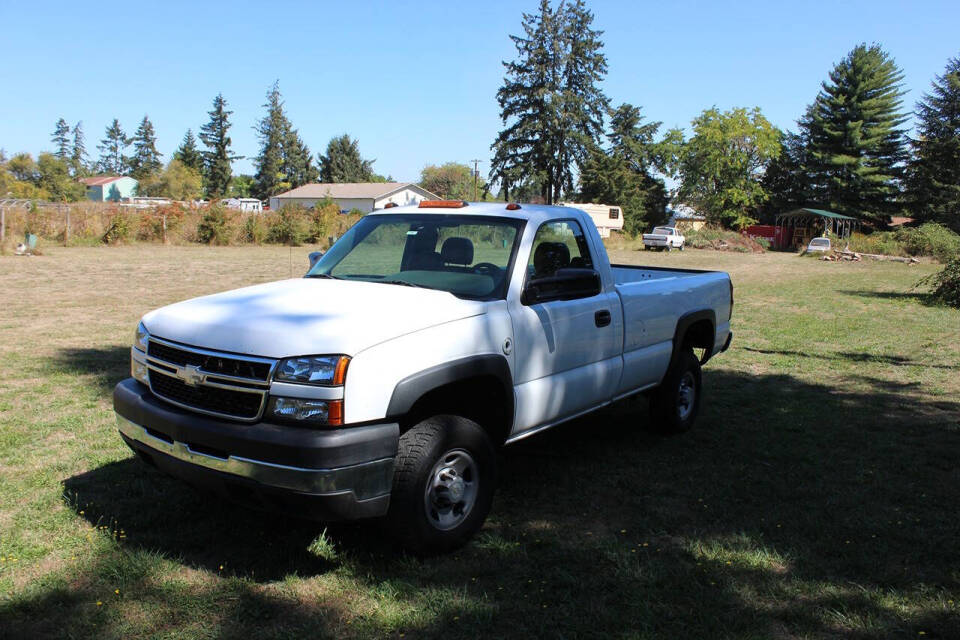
{"x":513,"y":206}
{"x":442,"y":204}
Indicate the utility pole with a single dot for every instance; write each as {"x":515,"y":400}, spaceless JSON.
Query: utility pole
{"x":476,"y":174}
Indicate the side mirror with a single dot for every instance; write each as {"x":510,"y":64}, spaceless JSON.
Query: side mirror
{"x":315,"y":257}
{"x":566,"y":284}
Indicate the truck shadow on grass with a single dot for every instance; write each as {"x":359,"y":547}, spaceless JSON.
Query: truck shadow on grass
{"x":792,"y":508}
{"x":106,"y":366}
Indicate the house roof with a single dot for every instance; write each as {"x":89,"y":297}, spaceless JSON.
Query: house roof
{"x":100,"y":180}
{"x":350,"y":190}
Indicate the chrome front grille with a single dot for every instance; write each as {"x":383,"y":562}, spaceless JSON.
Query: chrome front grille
{"x":219,"y":384}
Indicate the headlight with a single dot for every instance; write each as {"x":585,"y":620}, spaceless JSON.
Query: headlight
{"x":140,"y":338}
{"x":319,"y":370}
{"x":306,"y":412}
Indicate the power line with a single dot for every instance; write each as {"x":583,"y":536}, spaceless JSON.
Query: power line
{"x":476,"y":174}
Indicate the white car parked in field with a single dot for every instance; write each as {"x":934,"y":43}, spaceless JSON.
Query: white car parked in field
{"x":663,"y":238}
{"x":819,"y":244}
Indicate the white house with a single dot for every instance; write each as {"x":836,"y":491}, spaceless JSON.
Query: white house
{"x":365,"y":196}
{"x":607,"y":217}
{"x":685,"y":217}
{"x":247,"y":205}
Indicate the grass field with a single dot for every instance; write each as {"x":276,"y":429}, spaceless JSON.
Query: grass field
{"x":817,"y":496}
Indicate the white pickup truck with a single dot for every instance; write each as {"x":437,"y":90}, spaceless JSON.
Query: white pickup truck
{"x":381,"y":383}
{"x":663,"y":238}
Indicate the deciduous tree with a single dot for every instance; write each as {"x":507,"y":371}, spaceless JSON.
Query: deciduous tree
{"x":721,"y":166}
{"x":452,"y":181}
{"x":53,"y":177}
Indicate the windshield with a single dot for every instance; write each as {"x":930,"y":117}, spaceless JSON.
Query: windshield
{"x":667,"y":231}
{"x":469,"y":256}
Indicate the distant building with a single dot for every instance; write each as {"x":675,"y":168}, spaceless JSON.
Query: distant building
{"x":247,"y":205}
{"x":110,"y":188}
{"x":607,"y":217}
{"x":684,"y":217}
{"x":365,"y":196}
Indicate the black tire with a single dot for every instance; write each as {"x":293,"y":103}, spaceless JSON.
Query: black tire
{"x":673,"y":406}
{"x":420,"y":460}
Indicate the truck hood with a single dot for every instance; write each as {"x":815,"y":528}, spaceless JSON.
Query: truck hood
{"x":306,"y":316}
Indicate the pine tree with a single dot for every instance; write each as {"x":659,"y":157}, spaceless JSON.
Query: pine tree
{"x":145,"y":160}
{"x":115,"y":142}
{"x":61,"y":139}
{"x":343,"y":162}
{"x":787,"y":178}
{"x":550,"y":100}
{"x":935,"y":173}
{"x":284,"y":161}
{"x":856,"y":144}
{"x":217,"y":159}
{"x":187,"y":153}
{"x":78,"y":152}
{"x":623,"y":175}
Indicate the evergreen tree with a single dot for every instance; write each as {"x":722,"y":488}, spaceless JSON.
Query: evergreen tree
{"x":550,"y":101}
{"x":787,"y":178}
{"x":61,"y":139}
{"x":623,"y":176}
{"x":78,"y":152}
{"x":188,"y":154}
{"x":298,"y":164}
{"x":856,"y":144}
{"x":284,"y":161}
{"x":145,"y":160}
{"x":115,"y":142}
{"x":343,"y":162}
{"x":217,"y":158}
{"x":935,"y":173}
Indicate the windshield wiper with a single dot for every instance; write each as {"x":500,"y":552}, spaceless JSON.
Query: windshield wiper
{"x":321,"y":275}
{"x":404,"y":283}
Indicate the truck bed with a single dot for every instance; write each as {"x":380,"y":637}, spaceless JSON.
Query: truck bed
{"x":626,"y":273}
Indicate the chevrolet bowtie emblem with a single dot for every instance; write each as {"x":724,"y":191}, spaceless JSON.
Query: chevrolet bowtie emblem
{"x":190,"y":375}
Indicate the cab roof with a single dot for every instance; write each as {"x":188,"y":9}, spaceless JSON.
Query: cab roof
{"x":534,"y":213}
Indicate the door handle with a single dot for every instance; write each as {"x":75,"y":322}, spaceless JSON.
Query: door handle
{"x":602,"y":318}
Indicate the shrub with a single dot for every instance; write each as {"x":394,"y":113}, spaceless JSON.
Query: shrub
{"x":722,"y":240}
{"x":945,"y":284}
{"x":255,"y":229}
{"x":930,"y":239}
{"x":118,"y":229}
{"x":214,"y":226}
{"x":290,"y":224}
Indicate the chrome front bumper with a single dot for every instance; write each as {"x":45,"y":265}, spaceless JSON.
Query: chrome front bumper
{"x":366,"y":480}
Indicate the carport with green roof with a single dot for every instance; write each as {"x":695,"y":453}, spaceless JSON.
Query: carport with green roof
{"x":798,"y":226}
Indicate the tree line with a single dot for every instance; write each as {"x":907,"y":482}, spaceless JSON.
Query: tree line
{"x":200,"y":166}
{"x":851,"y":154}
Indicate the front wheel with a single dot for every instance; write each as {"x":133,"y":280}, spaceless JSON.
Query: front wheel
{"x":443,"y":484}
{"x":674,"y":405}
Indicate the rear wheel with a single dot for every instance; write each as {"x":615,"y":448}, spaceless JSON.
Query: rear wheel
{"x":675,"y":404}
{"x":443,"y":484}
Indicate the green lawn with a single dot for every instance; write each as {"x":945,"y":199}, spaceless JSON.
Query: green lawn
{"x":816,"y":497}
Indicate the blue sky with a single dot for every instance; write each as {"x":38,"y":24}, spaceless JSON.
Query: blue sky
{"x":416,"y":82}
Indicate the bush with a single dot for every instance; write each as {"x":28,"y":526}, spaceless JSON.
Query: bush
{"x":290,"y":224}
{"x":118,"y":229}
{"x":254,"y":229}
{"x":722,"y":240}
{"x":946,"y":284}
{"x":930,"y":239}
{"x":214,"y":226}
